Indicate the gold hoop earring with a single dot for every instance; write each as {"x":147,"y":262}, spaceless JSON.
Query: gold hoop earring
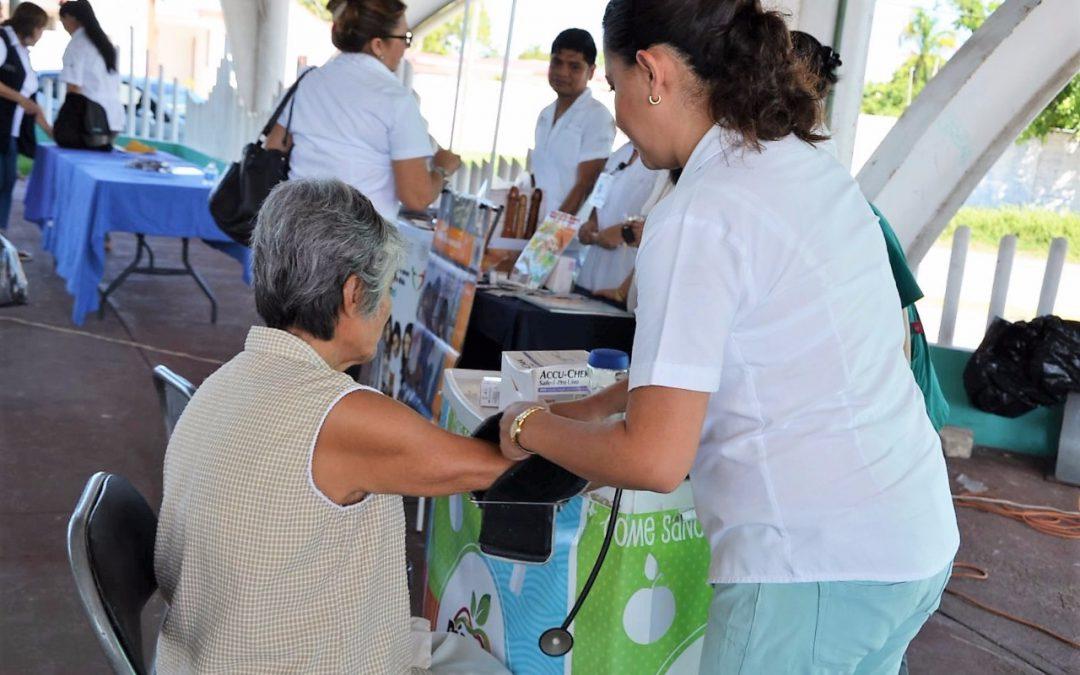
{"x":654,"y":100}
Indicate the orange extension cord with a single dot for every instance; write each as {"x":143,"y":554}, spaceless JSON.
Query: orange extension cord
{"x":1051,"y":521}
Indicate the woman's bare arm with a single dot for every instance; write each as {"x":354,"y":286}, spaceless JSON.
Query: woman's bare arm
{"x":372,"y":444}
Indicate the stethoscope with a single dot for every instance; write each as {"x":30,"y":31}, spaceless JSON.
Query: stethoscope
{"x":558,"y":641}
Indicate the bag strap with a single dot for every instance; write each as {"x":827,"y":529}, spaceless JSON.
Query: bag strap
{"x":281,"y":107}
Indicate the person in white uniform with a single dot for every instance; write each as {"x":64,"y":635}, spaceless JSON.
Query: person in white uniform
{"x":767,"y":360}
{"x":354,"y":120}
{"x":574,"y":134}
{"x":90,"y":61}
{"x":613,"y":230}
{"x":18,"y":84}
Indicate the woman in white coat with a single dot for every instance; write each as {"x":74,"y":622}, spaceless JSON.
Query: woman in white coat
{"x":767,"y":361}
{"x":352,"y":118}
{"x":90,"y":62}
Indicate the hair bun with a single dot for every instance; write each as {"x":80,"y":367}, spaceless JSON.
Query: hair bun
{"x":831,"y":58}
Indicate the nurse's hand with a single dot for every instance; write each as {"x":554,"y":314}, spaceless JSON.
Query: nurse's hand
{"x":509,"y":448}
{"x":447,"y":160}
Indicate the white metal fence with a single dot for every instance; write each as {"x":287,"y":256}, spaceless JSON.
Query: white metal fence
{"x":1055,"y":264}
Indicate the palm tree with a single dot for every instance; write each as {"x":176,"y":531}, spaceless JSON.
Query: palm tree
{"x":929,"y":42}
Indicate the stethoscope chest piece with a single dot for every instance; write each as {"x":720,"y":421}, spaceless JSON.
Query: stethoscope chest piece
{"x":556,"y":642}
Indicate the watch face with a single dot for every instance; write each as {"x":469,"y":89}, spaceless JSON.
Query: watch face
{"x":628,"y":234}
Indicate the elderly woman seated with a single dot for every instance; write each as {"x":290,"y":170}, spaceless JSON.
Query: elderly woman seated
{"x":281,"y":542}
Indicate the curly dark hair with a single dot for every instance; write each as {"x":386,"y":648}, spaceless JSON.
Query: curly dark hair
{"x":822,"y":60}
{"x":742,"y":54}
{"x":358,"y":22}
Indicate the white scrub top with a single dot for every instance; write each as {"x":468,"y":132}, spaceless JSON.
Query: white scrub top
{"x":763,"y":281}
{"x":29,"y":85}
{"x":85,"y":68}
{"x":629,"y":189}
{"x":584,"y":132}
{"x":352,"y":119}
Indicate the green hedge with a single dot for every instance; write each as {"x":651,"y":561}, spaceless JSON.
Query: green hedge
{"x":1034,"y":228}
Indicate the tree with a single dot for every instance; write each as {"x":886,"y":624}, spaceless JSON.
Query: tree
{"x":892,"y":97}
{"x":446,"y":39}
{"x":972,"y":13}
{"x":928,"y":42}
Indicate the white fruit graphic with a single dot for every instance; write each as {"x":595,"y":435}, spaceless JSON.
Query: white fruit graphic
{"x":470,"y":606}
{"x":650,"y":611}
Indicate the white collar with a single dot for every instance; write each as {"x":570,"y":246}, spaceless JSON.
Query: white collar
{"x":583,"y":96}
{"x":14,"y":38}
{"x":716,"y":140}
{"x":369,"y":63}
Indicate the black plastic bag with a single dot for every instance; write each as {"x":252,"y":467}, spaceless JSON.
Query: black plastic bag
{"x":1021,"y":366}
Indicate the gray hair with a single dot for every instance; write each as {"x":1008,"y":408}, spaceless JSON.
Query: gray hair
{"x":311,"y":235}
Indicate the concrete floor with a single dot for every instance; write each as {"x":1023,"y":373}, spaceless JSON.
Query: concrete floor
{"x":71,"y":405}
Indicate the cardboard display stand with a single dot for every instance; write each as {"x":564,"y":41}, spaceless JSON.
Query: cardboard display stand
{"x":646,"y":613}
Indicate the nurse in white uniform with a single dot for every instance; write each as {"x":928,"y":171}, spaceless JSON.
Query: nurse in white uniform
{"x":767,"y":360}
{"x":354,"y":120}
{"x":615,"y":224}
{"x":574,"y":134}
{"x":90,"y":61}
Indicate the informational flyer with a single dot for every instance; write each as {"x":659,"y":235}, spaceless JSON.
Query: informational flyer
{"x":446,"y":297}
{"x":542,"y":253}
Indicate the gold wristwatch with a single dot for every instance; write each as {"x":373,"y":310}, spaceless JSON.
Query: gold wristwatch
{"x":518,"y":423}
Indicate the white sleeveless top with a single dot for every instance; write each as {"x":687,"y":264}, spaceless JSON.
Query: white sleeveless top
{"x":263,"y":573}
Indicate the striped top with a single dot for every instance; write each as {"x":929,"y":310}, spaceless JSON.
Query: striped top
{"x":262,"y":572}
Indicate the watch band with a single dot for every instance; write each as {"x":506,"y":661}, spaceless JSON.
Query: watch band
{"x":518,"y":423}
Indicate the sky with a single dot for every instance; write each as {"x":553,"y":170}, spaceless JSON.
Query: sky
{"x":539,"y":21}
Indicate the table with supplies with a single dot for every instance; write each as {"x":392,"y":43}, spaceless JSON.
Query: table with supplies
{"x":79,"y":196}
{"x":647,"y":611}
{"x":503,"y":321}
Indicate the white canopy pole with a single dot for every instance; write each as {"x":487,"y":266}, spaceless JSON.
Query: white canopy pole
{"x":460,"y":71}
{"x":502,"y":83}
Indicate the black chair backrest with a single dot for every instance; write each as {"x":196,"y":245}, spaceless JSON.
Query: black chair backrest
{"x":174,"y":392}
{"x":111,"y":548}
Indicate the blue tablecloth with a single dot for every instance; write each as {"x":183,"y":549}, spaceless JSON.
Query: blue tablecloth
{"x":77,"y":196}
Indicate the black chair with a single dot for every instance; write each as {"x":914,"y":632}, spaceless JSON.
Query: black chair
{"x":174,"y":392}
{"x":111,"y":550}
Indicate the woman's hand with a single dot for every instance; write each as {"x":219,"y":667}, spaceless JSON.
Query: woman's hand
{"x":447,"y":161}
{"x":589,"y":231}
{"x":44,"y":124}
{"x":29,"y":105}
{"x":509,"y":448}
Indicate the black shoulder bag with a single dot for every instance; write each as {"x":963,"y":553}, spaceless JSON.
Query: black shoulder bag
{"x":235,"y":201}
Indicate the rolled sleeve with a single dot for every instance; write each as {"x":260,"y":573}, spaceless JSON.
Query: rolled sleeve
{"x":409,"y":137}
{"x":597,"y":135}
{"x":691,"y":282}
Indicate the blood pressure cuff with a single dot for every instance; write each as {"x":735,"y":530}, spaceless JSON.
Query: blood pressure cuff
{"x":517,"y":519}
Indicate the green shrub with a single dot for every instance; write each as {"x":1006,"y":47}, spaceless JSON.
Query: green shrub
{"x":1034,"y":228}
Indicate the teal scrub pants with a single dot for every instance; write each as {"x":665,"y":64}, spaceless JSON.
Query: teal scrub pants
{"x":859,"y":627}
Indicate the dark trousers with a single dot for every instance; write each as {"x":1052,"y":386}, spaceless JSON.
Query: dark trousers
{"x":9,"y":172}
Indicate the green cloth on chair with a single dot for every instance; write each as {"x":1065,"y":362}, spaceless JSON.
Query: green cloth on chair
{"x":908,"y":288}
